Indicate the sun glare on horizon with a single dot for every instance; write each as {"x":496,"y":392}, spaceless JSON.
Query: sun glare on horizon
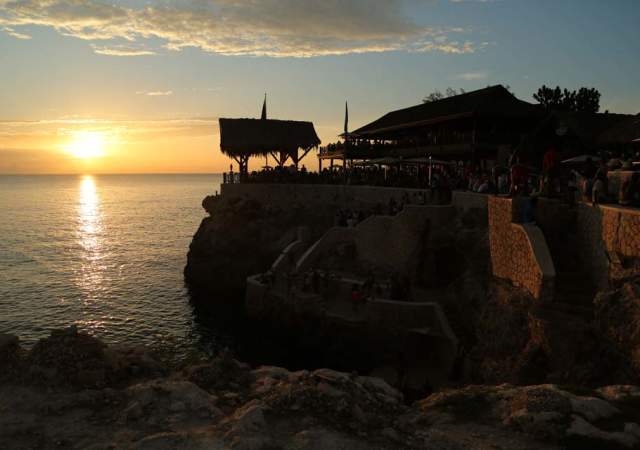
{"x":86,"y":144}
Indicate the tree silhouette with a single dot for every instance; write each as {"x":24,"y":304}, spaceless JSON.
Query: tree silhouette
{"x":438,"y":95}
{"x":582,"y":100}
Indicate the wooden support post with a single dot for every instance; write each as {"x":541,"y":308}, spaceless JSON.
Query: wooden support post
{"x":275,"y":156}
{"x":473,"y":140}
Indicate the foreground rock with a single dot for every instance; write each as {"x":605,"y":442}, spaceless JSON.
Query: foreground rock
{"x":223,"y":403}
{"x":618,"y":318}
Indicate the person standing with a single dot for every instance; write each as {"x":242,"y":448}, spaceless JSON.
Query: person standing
{"x":519,"y":179}
{"x":600,"y":188}
{"x":356,"y":297}
{"x":550,"y":170}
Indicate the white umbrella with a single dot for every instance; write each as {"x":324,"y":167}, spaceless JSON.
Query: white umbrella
{"x":581,"y":159}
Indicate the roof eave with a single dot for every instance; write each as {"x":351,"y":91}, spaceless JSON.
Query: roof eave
{"x":415,"y":124}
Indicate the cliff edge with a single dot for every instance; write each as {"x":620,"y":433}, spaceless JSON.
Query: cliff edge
{"x":242,"y":237}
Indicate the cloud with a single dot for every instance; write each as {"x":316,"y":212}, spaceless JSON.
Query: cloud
{"x":120,"y":50}
{"x":16,"y":34}
{"x":470,"y":76}
{"x":155,"y":93}
{"x":276,"y":28}
{"x":14,"y":132}
{"x":454,"y":47}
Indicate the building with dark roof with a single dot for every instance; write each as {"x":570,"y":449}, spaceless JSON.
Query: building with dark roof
{"x":622,"y":133}
{"x":574,"y":134}
{"x":485,"y":124}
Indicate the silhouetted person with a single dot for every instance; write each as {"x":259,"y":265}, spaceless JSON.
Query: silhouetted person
{"x":600,"y":184}
{"x":589,"y":169}
{"x":356,"y":297}
{"x":519,"y":179}
{"x":550,"y":170}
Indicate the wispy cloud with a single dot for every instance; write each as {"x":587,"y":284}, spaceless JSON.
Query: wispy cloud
{"x":13,"y":132}
{"x":276,"y":28}
{"x":155,"y":93}
{"x":16,"y":34}
{"x":470,"y":76}
{"x":452,"y":47}
{"x":120,"y":50}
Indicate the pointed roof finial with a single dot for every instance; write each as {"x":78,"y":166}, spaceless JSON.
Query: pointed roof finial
{"x":346,"y":117}
{"x":264,"y":108}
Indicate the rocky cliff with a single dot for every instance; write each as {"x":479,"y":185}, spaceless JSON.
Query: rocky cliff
{"x":73,"y":391}
{"x":504,"y":334}
{"x":243,"y":237}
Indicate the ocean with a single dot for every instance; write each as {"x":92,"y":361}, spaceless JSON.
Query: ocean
{"x":104,"y":252}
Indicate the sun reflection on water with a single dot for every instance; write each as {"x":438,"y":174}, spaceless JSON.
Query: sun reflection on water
{"x":89,"y":237}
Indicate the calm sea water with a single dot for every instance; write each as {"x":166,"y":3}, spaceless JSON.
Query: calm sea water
{"x":103,"y":252}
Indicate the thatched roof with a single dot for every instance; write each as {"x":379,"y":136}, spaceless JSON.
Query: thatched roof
{"x":249,"y":137}
{"x":624,"y":132}
{"x":490,"y":101}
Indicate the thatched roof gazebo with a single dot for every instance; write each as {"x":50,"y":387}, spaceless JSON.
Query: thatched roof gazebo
{"x":282,"y":139}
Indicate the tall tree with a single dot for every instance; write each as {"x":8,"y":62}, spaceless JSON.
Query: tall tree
{"x":587,"y":99}
{"x":582,"y":100}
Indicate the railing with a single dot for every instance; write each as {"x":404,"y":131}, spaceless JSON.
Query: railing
{"x":230,"y":177}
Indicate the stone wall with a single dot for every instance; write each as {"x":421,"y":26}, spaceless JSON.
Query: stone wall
{"x":385,"y":242}
{"x":380,"y":316}
{"x":519,"y":252}
{"x":331,"y":239}
{"x":394,"y":243}
{"x":469,"y":201}
{"x":609,"y":242}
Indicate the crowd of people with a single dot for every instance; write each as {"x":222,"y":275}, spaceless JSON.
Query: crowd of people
{"x":589,"y":180}
{"x":326,"y":283}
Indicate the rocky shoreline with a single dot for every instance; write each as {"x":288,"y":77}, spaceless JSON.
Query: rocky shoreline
{"x":73,"y":391}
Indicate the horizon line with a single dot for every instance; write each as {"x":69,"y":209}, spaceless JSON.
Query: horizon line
{"x":107,"y":173}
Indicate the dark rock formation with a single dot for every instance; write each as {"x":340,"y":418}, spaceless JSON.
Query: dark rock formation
{"x":520,"y":341}
{"x":9,"y":355}
{"x":618,"y":319}
{"x":241,"y":238}
{"x":504,"y":334}
{"x":222,"y":403}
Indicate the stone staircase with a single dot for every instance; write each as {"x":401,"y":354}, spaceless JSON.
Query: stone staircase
{"x":574,"y":292}
{"x":574,"y":288}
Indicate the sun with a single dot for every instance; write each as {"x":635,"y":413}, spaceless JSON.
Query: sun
{"x":86,"y":144}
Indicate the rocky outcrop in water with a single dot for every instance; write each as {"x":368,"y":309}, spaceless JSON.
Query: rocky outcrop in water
{"x":138,"y":403}
{"x":243,"y":237}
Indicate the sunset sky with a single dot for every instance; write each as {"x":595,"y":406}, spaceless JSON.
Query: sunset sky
{"x":121,"y":86}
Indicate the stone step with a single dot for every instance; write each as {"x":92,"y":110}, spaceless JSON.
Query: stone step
{"x":583,"y":311}
{"x":565,"y":316}
{"x":579,"y":291}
